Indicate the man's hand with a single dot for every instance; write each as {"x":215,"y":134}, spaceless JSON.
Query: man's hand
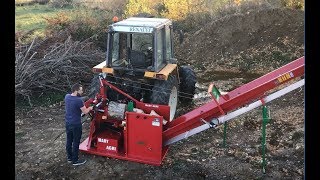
{"x":86,"y":110}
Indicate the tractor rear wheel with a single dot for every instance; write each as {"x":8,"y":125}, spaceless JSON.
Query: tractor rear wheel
{"x":187,"y":84}
{"x":165,"y":92}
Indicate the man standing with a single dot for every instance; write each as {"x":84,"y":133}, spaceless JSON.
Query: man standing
{"x":74,"y":106}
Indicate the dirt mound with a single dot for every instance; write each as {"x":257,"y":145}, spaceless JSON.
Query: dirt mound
{"x":254,"y":34}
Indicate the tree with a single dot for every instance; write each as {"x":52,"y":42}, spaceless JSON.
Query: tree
{"x":140,"y":6}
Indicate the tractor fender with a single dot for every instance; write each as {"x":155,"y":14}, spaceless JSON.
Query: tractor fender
{"x":164,"y":73}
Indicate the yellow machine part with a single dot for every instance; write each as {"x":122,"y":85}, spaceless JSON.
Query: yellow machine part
{"x":163,"y":74}
{"x":101,"y":68}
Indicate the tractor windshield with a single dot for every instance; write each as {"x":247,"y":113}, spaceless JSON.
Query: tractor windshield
{"x":131,"y":49}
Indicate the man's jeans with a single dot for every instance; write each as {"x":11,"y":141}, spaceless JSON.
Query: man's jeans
{"x":74,"y":132}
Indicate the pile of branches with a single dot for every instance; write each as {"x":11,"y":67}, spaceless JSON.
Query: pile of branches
{"x":54,"y":63}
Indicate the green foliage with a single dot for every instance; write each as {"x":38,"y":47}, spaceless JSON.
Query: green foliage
{"x":177,"y":9}
{"x":172,"y":9}
{"x":87,"y":23}
{"x":280,"y":56}
{"x":22,"y":2}
{"x":33,"y":18}
{"x":30,"y":2}
{"x":58,"y":22}
{"x":140,"y":6}
{"x":184,"y":8}
{"x":296,"y":4}
{"x":60,"y":3}
{"x":42,"y":20}
{"x":115,"y":7}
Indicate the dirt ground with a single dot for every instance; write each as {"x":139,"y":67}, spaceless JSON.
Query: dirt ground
{"x":40,"y":134}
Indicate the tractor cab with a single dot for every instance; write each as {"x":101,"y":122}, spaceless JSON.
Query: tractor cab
{"x":140,"y":45}
{"x":140,"y":62}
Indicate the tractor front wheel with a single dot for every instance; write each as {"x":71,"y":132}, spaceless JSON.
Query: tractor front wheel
{"x":187,"y":84}
{"x":165,"y":92}
{"x":95,"y":88}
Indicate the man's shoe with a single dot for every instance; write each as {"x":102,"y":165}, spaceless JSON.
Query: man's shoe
{"x":69,"y":161}
{"x":79,"y":162}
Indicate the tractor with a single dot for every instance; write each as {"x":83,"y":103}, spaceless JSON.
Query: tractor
{"x":140,"y":61}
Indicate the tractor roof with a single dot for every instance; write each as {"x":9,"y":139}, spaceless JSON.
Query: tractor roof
{"x":140,"y":25}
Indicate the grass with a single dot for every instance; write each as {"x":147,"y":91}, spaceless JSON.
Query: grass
{"x":32,"y":17}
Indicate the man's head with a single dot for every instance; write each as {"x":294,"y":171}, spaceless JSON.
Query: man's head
{"x":77,"y":89}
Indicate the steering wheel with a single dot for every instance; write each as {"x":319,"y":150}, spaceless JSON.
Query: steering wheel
{"x":120,"y":62}
{"x":143,"y":45}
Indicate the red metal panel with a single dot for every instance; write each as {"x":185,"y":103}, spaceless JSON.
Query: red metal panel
{"x":144,"y":137}
{"x":108,"y":142}
{"x":237,"y":98}
{"x":141,"y":142}
{"x":120,"y":155}
{"x":162,"y":110}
